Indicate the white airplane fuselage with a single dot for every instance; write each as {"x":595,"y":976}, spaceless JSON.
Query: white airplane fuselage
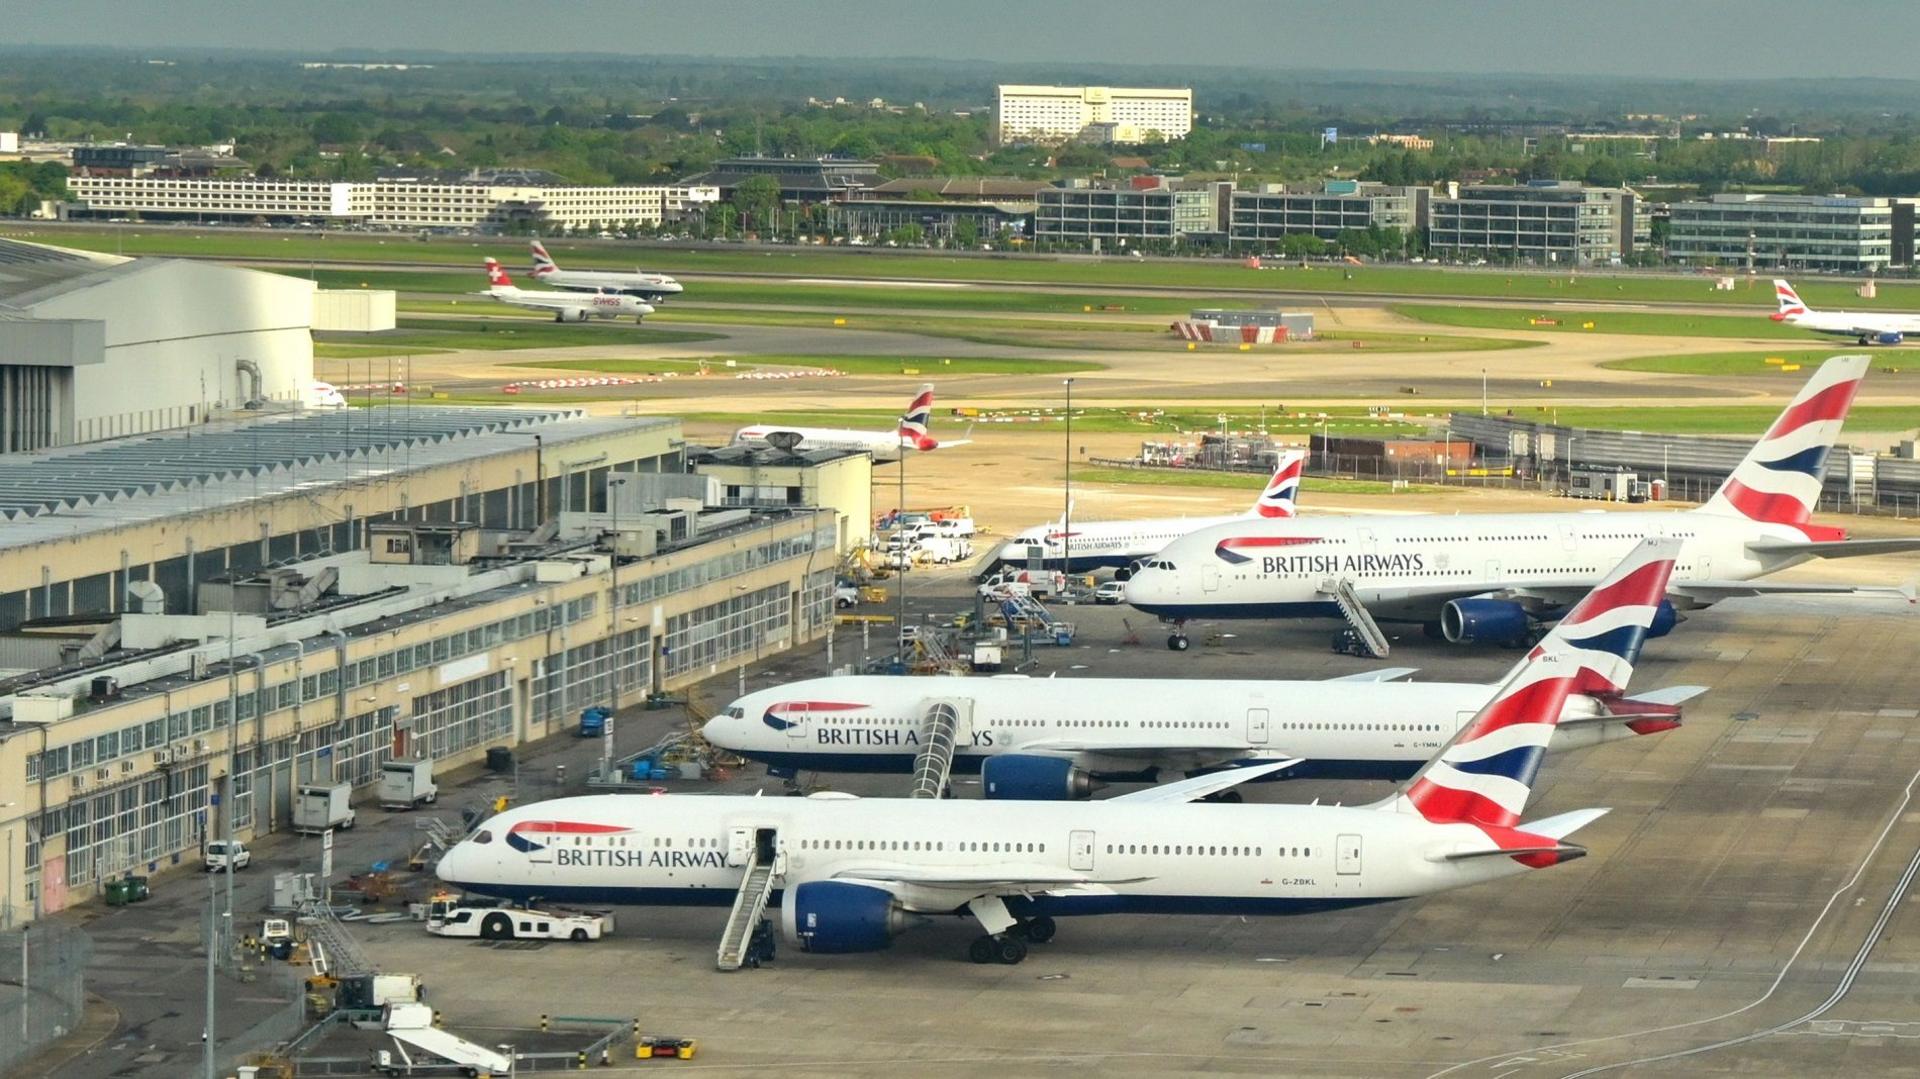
{"x":692,"y":850}
{"x":1397,"y":565}
{"x":884,"y":445}
{"x":1107,"y":726}
{"x":1105,"y":544}
{"x":572,"y":306}
{"x":653,"y":288}
{"x":1865,"y":327}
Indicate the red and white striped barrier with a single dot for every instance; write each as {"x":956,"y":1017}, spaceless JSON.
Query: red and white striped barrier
{"x":1213,"y":333}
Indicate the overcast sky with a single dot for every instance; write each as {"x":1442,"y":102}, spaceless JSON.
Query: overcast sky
{"x":1671,"y":38}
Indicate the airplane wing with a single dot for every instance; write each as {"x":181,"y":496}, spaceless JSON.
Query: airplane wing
{"x":1384,"y":674}
{"x":1707,"y":592}
{"x":997,"y":878}
{"x":1837,"y":548}
{"x":1189,"y":790}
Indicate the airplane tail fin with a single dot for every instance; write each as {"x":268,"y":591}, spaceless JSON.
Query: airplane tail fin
{"x":1787,"y":302}
{"x":1779,"y":480}
{"x":1278,"y":500}
{"x":497,"y":275}
{"x":1485,"y":774}
{"x":913,"y":425}
{"x":543,"y":263}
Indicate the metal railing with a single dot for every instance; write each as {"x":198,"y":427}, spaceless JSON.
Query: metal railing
{"x":43,"y":989}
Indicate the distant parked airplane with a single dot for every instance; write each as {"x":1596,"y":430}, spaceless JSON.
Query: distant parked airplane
{"x":884,"y":445}
{"x":1865,"y":327}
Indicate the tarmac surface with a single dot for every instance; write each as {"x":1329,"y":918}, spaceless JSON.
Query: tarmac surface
{"x":1746,"y":860}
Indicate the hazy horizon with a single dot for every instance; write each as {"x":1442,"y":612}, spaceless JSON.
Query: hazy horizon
{"x":1628,"y":38}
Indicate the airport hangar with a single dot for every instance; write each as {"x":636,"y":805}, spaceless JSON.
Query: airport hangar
{"x":194,"y":621}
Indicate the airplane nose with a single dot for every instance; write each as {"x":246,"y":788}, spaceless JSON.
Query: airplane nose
{"x":448,"y":869}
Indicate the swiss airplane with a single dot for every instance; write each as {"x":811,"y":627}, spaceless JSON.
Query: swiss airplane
{"x":1868,"y":328}
{"x":884,"y":445}
{"x":1052,"y":738}
{"x":566,"y":306}
{"x":1123,"y":544}
{"x":652,"y":287}
{"x":852,"y":872}
{"x":1493,"y":577}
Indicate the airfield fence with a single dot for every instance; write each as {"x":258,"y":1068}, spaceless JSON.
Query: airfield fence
{"x":43,"y":989}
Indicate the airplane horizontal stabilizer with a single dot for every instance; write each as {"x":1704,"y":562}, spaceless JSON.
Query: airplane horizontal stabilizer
{"x":1668,"y":695}
{"x":1384,"y":674}
{"x":1836,"y":548}
{"x":1563,"y":852}
{"x":1192,"y":790}
{"x":1563,"y":825}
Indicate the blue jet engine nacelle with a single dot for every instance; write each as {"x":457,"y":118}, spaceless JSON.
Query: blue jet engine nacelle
{"x":831,"y":916}
{"x":1889,"y":337}
{"x":1490,"y":621}
{"x":1033,"y":778}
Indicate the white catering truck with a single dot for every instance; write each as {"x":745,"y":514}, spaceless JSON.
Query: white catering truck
{"x":318,"y":807}
{"x":405,"y":784}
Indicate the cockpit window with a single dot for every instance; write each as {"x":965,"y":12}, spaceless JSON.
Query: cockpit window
{"x":736,"y":712}
{"x":483,"y":836}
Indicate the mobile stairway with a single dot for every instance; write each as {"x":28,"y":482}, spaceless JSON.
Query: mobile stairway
{"x":943,"y":725}
{"x":1363,"y":633}
{"x":749,"y":908}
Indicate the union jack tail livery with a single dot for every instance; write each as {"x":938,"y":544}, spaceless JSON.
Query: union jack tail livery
{"x":1779,"y":480}
{"x":497,"y":275}
{"x":543,"y":263}
{"x":1278,"y":499}
{"x":1483,"y":777}
{"x":1787,"y":301}
{"x":913,"y":425}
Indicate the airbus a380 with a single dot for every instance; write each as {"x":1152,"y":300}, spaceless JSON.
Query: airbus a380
{"x":911,"y":434}
{"x":1052,"y":738}
{"x":1866,"y":327}
{"x":1492,"y":577}
{"x":1123,"y":544}
{"x":651,"y":287}
{"x":852,"y":872}
{"x":566,"y":306}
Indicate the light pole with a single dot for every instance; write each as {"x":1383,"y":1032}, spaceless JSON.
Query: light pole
{"x":6,"y":908}
{"x":1483,"y":391}
{"x":1066,"y":511}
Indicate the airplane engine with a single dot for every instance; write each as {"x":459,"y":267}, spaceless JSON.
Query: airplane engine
{"x":1888,"y":337}
{"x":1664,"y":619}
{"x":579,"y":314}
{"x":1492,"y":621}
{"x":831,"y":916}
{"x":1027,"y":777}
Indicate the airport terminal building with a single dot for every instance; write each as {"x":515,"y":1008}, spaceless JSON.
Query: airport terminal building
{"x":194,"y":624}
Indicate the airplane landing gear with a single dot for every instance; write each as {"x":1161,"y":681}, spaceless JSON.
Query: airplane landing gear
{"x":1005,"y":948}
{"x":1177,"y":641}
{"x":1037,"y":930}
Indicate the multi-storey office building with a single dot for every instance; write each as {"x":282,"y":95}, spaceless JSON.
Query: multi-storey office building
{"x":1545,"y":221}
{"x":1120,"y":114}
{"x":1853,"y":235}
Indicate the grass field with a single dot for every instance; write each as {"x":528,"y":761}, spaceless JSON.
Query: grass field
{"x":446,"y":335}
{"x":1248,"y":481}
{"x":1071,"y":270}
{"x":1749,"y":420}
{"x":852,"y":365}
{"x":1629,"y":322}
{"x":1886,"y":363}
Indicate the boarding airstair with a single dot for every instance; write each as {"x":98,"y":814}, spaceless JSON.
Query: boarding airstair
{"x":943,"y":725}
{"x":1365,"y":630}
{"x":329,"y":945}
{"x":1024,"y":613}
{"x":749,"y":907}
{"x":410,"y":1025}
{"x":930,"y":654}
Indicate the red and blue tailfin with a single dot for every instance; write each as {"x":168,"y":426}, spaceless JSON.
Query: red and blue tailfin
{"x":543,"y":263}
{"x":1484,"y":775}
{"x":1278,"y":500}
{"x":913,"y":425}
{"x":1779,"y":480}
{"x":1787,"y":303}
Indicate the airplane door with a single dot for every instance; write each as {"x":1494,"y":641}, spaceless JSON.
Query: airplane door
{"x":1080,"y":851}
{"x":1209,"y":578}
{"x":797,"y":719}
{"x":1257,"y":726}
{"x":1493,"y":571}
{"x":1346,"y":855}
{"x":739,"y":846}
